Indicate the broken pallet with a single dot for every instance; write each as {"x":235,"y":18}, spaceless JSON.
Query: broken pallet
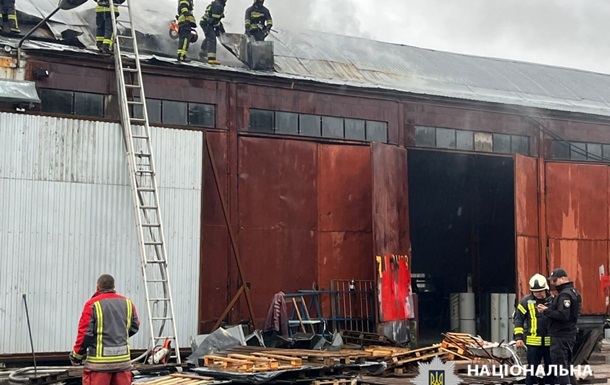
{"x":179,"y":379}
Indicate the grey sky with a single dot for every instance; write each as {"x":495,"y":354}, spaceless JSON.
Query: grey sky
{"x":564,"y":33}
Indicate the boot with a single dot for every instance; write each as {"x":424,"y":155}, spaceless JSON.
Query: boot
{"x":14,"y":26}
{"x":213,"y":61}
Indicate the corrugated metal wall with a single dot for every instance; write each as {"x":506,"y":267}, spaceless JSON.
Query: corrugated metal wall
{"x":66,"y":217}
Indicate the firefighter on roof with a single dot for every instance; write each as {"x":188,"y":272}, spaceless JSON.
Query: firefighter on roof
{"x":103,"y":24}
{"x":7,"y":9}
{"x":186,"y":27}
{"x":258,"y":21}
{"x":211,"y":23}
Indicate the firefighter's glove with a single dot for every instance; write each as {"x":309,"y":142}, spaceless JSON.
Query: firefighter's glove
{"x":75,"y":360}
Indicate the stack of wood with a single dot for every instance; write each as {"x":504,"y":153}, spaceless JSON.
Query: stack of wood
{"x":457,"y":345}
{"x":180,"y":379}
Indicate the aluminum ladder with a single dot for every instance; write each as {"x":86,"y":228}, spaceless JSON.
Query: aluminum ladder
{"x":142,"y":176}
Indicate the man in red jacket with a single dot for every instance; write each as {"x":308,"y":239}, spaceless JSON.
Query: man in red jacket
{"x":107,"y":322}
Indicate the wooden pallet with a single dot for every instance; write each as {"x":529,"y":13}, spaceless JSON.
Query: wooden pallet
{"x":179,"y":379}
{"x":251,"y":363}
{"x":319,"y":357}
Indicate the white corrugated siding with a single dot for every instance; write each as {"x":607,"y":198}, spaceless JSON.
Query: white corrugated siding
{"x":66,"y":217}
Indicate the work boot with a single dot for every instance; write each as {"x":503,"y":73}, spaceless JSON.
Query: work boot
{"x":15,"y":30}
{"x":106,"y":50}
{"x":213,"y":61}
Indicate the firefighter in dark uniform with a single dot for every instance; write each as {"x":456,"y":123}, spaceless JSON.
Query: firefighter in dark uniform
{"x":531,"y":327}
{"x":103,"y":23}
{"x":563,"y":313}
{"x":186,"y":24}
{"x":7,"y":10}
{"x":211,"y":23}
{"x":258,"y":21}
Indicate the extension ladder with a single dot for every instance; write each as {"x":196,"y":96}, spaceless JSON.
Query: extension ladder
{"x":136,"y":132}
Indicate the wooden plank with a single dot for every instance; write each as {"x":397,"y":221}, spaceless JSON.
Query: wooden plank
{"x":294,"y":361}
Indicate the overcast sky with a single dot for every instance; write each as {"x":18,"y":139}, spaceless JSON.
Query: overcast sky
{"x":565,"y":33}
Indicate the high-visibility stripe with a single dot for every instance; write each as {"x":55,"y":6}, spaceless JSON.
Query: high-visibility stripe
{"x":122,"y":358}
{"x":518,"y":330}
{"x":100,"y":329}
{"x":533,"y":340}
{"x":533,"y":319}
{"x":547,"y":341}
{"x":521,"y":309}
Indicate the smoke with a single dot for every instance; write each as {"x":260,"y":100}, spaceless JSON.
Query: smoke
{"x":556,"y":32}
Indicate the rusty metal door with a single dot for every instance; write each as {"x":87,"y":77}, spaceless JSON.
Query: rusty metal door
{"x":527,"y":230}
{"x":577,"y":218}
{"x":391,"y":241}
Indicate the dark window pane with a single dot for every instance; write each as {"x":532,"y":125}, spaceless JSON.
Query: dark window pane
{"x":174,"y":112}
{"x":153,"y":107}
{"x":594,"y":151}
{"x":578,"y":151}
{"x":202,"y":115}
{"x":88,"y":104}
{"x":464,"y":140}
{"x":501,"y":143}
{"x":309,"y":125}
{"x":445,"y":138}
{"x":332,"y":127}
{"x":483,"y":141}
{"x":56,"y":101}
{"x":520,"y":144}
{"x":377,"y":131}
{"x":425,"y":136}
{"x":261,"y":121}
{"x":560,"y":150}
{"x":287,"y":123}
{"x":606,"y":151}
{"x":354,"y":129}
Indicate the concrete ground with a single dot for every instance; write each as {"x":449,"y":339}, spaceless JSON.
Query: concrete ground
{"x":600,"y":363}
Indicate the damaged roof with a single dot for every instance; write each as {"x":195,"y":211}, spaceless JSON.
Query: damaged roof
{"x":358,"y":62}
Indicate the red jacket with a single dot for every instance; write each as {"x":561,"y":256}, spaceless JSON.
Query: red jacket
{"x":107,"y":322}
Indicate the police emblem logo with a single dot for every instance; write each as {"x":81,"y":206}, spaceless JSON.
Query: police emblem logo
{"x":566,"y":303}
{"x":436,"y":373}
{"x":437,"y":377}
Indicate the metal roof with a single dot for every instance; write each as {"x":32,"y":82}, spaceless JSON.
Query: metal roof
{"x":358,"y":62}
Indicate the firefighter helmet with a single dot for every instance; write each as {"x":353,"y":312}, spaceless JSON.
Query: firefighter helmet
{"x":538,"y":283}
{"x":194,"y":35}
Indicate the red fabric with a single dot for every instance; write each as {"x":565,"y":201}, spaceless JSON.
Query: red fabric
{"x":105,"y":378}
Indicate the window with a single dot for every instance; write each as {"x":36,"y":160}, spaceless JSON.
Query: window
{"x":445,"y":138}
{"x":425,"y":136}
{"x":501,"y":143}
{"x":261,"y":121}
{"x":317,"y":126}
{"x":174,"y":112}
{"x":566,"y":150}
{"x":470,"y":141}
{"x":560,"y":150}
{"x":56,"y":101}
{"x":88,"y":104}
{"x":578,"y":151}
{"x":287,"y":123}
{"x":594,"y":151}
{"x":153,"y":107}
{"x":309,"y":125}
{"x":464,"y":140}
{"x":354,"y":129}
{"x":332,"y":127}
{"x":377,"y":131}
{"x":203,"y":115}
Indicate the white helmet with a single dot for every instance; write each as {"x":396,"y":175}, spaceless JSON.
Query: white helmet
{"x":538,"y":283}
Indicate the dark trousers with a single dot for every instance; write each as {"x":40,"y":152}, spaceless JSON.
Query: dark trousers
{"x":184,"y":39}
{"x":208,"y":47}
{"x":561,"y":355}
{"x":103,"y":31}
{"x":535,"y":355}
{"x":7,"y":7}
{"x":106,"y":378}
{"x":258,"y":34}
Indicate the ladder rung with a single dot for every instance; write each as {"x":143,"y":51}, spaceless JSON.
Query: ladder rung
{"x":154,"y":261}
{"x":124,"y":37}
{"x":148,"y":207}
{"x":156,"y":280}
{"x":134,"y":102}
{"x":158,"y":299}
{"x":130,"y":69}
{"x":165,"y":338}
{"x":151,"y":225}
{"x":132,"y":86}
{"x":139,"y":137}
{"x":142,"y":155}
{"x":144,"y":172}
{"x":161,"y":318}
{"x":146,"y":189}
{"x":141,"y":120}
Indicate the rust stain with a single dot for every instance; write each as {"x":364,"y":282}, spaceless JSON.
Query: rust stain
{"x":528,"y":262}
